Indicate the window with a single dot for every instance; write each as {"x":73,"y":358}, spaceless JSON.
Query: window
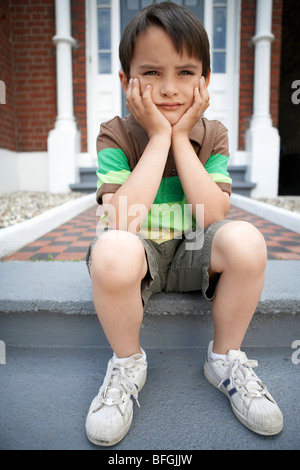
{"x":130,"y":7}
{"x":219,"y":36}
{"x":104,"y":36}
{"x":138,"y":4}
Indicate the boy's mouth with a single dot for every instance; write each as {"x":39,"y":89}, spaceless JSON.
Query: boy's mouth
{"x":172,"y":106}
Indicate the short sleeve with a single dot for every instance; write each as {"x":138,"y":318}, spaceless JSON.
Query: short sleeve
{"x":113,"y":166}
{"x":217,"y":163}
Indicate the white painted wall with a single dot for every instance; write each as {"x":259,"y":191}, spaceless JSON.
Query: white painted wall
{"x":23,"y":171}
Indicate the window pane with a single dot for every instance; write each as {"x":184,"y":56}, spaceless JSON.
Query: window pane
{"x":132,"y":4}
{"x":219,"y":39}
{"x":101,"y":3}
{"x":220,"y":2}
{"x":190,"y":3}
{"x":146,"y":3}
{"x":104,"y":62}
{"x":104,"y":28}
{"x":219,"y":62}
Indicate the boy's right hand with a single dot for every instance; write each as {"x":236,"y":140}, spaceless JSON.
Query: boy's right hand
{"x":144,"y":110}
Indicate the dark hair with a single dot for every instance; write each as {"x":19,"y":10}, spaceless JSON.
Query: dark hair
{"x":183,"y":27}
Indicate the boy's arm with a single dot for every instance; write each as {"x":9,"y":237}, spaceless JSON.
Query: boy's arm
{"x":130,"y":204}
{"x":198,"y":186}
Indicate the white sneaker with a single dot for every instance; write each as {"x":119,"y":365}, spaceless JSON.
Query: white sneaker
{"x":250,"y":400}
{"x":110,"y":414}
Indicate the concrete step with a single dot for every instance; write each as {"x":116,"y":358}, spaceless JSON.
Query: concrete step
{"x":88,"y":180}
{"x":56,"y":359}
{"x":239,"y":184}
{"x":65,"y":287}
{"x":84,"y":187}
{"x":45,"y":394}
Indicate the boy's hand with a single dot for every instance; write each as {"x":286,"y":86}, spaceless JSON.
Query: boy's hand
{"x":194,"y":113}
{"x":144,"y":110}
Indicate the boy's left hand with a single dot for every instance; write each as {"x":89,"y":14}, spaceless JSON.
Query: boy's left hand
{"x":194,"y":113}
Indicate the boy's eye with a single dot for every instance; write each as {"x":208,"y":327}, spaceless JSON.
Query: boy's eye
{"x":186,"y":72}
{"x":151,"y":72}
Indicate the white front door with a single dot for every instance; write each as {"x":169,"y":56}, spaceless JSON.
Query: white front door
{"x":105,"y":21}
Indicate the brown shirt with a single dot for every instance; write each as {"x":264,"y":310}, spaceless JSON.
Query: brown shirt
{"x":209,"y":140}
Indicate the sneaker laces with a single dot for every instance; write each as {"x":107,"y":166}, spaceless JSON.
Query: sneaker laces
{"x":242,"y":376}
{"x":119,"y":383}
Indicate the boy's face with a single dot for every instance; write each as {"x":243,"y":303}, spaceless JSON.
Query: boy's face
{"x":173,"y":76}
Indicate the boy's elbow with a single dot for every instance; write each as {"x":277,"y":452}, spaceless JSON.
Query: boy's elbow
{"x":218,"y":212}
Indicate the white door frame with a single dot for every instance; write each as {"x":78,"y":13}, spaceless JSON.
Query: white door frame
{"x":103,"y":91}
{"x":225,"y":96}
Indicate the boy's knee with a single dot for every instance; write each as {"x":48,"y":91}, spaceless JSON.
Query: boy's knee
{"x":243,"y":245}
{"x":118,"y":257}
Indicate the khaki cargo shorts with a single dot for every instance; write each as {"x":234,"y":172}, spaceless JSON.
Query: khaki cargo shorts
{"x":177,"y":265}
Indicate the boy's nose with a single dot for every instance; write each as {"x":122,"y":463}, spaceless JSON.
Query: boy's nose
{"x":168,"y":89}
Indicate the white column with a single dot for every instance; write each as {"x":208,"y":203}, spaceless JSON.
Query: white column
{"x":64,"y":43}
{"x":262,"y":139}
{"x":64,"y":139}
{"x":262,"y":66}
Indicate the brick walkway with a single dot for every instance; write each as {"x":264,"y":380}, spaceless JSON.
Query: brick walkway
{"x":70,"y":241}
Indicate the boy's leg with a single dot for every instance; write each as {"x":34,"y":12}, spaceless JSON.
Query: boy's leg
{"x":118,"y":267}
{"x":239,"y":254}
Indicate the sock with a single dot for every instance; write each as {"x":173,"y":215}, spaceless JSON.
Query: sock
{"x":214,"y":356}
{"x":126,"y":358}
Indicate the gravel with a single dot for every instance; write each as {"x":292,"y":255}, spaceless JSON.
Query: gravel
{"x":16,"y":207}
{"x":291,"y":203}
{"x":19,"y":206}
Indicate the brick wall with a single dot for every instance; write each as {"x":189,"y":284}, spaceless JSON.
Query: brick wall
{"x":248,"y":16}
{"x":79,"y":69}
{"x":7,"y":133}
{"x":32,"y":26}
{"x":28,"y":67}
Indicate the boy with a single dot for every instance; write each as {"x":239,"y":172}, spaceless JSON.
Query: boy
{"x":153,"y":164}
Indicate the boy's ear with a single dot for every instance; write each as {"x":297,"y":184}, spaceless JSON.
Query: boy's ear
{"x":123,"y":80}
{"x":207,"y":79}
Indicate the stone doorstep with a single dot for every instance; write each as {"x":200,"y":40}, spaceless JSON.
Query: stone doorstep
{"x":65,"y":287}
{"x":49,"y":304}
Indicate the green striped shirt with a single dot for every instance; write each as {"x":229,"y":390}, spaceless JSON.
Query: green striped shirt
{"x":121,"y":143}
